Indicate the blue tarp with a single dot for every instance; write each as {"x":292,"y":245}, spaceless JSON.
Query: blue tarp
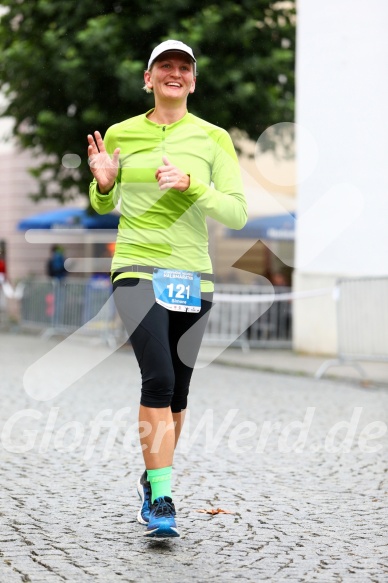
{"x":272,"y":228}
{"x":69,"y":218}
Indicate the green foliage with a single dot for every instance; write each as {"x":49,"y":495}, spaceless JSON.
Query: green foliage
{"x":69,"y":67}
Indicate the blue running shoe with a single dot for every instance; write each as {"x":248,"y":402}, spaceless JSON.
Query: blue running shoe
{"x":162,"y":519}
{"x":144,"y":491}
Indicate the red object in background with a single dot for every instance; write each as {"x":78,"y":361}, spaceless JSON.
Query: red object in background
{"x":50,"y":304}
{"x":3,"y":267}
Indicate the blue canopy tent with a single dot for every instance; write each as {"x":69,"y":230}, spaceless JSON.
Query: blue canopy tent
{"x":271,"y":228}
{"x":75,"y":226}
{"x":69,"y":218}
{"x":273,"y":238}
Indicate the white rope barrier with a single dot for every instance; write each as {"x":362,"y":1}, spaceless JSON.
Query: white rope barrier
{"x":17,"y":293}
{"x":274,"y":297}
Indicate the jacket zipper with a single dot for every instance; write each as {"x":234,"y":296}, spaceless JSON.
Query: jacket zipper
{"x":163,"y":140}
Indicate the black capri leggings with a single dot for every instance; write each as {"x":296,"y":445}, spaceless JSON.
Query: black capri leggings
{"x":166,"y":343}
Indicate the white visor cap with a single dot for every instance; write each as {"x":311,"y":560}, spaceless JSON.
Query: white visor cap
{"x":172,"y":45}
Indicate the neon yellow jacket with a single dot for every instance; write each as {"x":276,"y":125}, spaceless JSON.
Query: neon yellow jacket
{"x":168,"y":228}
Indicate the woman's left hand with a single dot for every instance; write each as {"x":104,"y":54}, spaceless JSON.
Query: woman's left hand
{"x":169,"y":176}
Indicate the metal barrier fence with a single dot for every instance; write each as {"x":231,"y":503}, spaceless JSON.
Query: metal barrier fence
{"x":63,"y":307}
{"x":250,"y":322}
{"x":362,"y":322}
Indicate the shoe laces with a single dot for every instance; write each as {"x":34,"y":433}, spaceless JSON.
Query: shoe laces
{"x":163,"y":506}
{"x":147,"y":493}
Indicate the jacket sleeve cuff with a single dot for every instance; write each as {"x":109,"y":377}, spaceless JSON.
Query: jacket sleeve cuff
{"x":102,"y":195}
{"x":196,"y":188}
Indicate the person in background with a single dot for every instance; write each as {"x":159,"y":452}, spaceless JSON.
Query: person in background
{"x":161,"y":165}
{"x":56,"y":263}
{"x":3,"y":270}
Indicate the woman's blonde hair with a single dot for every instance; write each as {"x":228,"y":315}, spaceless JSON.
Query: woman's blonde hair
{"x":147,"y":89}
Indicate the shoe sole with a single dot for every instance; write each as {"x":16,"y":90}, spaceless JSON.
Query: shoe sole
{"x":162,"y":533}
{"x":141,"y":496}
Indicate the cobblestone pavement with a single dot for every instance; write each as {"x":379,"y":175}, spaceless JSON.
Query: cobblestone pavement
{"x":308,"y":508}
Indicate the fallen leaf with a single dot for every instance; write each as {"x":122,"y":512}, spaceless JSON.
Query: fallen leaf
{"x":215,"y":511}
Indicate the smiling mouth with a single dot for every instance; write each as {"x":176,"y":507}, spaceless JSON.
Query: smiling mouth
{"x":174,"y":85}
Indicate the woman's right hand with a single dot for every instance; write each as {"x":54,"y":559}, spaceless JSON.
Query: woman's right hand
{"x":103,"y":167}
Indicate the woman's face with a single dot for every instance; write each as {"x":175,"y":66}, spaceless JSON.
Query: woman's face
{"x":171,"y":77}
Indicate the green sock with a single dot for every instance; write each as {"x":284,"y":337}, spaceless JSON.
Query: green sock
{"x":160,"y":481}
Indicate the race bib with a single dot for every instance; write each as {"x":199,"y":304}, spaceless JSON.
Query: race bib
{"x":179,"y":291}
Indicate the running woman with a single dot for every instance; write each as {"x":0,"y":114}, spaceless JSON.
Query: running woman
{"x":170,"y":170}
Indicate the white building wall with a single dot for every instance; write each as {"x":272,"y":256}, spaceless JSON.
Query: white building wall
{"x":23,"y":258}
{"x":342,"y":96}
